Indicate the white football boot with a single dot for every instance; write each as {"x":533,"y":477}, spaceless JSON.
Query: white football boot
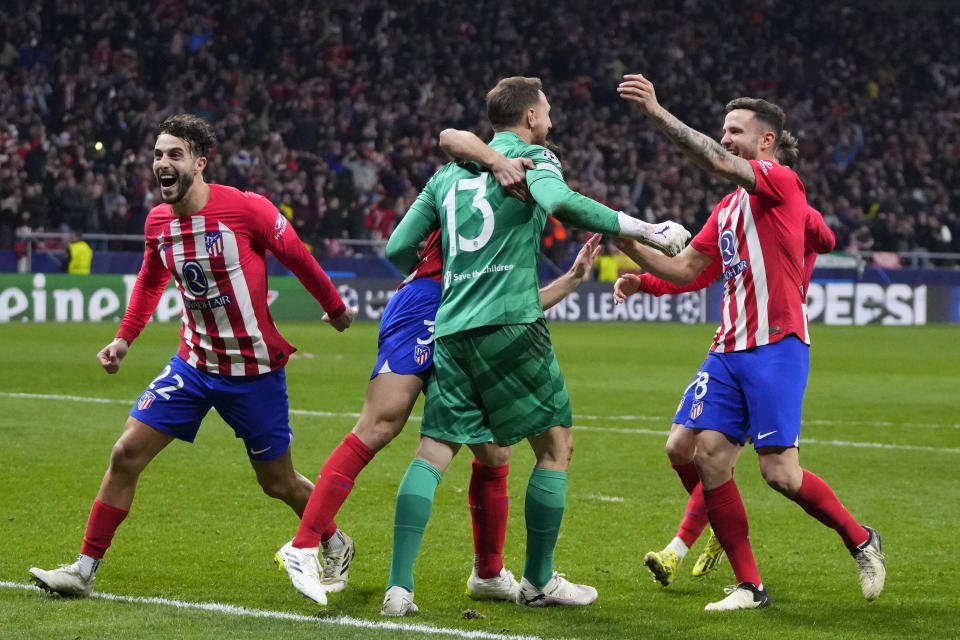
{"x":501,"y":587}
{"x":303,"y":569}
{"x":557,"y":592}
{"x":398,"y":602}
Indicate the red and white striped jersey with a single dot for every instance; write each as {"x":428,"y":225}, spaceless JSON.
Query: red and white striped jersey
{"x":431,"y":261}
{"x":217,"y":257}
{"x":760,"y":239}
{"x":818,"y":238}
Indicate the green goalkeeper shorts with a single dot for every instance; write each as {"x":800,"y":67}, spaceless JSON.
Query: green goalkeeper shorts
{"x":497,"y":384}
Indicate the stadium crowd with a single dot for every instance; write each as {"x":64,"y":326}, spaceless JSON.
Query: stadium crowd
{"x":333,"y":110}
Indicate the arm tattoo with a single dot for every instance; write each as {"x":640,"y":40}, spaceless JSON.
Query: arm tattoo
{"x":706,"y":152}
{"x":703,"y":149}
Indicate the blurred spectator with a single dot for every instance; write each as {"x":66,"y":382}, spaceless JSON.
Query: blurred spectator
{"x":77,"y":255}
{"x":325,"y":107}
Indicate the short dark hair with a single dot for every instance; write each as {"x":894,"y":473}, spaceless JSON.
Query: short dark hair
{"x":195,"y":130}
{"x":766,"y":112}
{"x":510,"y":99}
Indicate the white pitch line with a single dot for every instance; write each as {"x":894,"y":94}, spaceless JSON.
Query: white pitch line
{"x":835,"y":443}
{"x":650,"y":432}
{"x":340,"y":621}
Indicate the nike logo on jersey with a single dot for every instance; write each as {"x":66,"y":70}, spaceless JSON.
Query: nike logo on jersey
{"x":256,"y":453}
{"x":761,"y":436}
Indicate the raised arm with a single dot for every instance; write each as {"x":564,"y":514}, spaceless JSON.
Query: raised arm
{"x":511,"y":173}
{"x":579,"y":271}
{"x":703,"y":150}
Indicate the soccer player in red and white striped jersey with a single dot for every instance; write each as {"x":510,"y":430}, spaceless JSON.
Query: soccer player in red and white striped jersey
{"x":213,"y":241}
{"x":752,"y":383}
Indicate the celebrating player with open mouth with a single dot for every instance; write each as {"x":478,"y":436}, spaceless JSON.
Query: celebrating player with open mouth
{"x":212,"y":240}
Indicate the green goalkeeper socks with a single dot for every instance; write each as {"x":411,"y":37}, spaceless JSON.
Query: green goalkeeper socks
{"x":414,"y":503}
{"x":546,"y":498}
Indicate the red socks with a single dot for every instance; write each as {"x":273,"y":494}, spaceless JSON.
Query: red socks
{"x":101,"y":525}
{"x":489,"y":506}
{"x":694,"y":518}
{"x":817,"y":498}
{"x":331,"y":490}
{"x":688,"y":475}
{"x":729,"y":521}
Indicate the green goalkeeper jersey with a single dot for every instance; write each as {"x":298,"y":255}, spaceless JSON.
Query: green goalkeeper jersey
{"x":491,"y":241}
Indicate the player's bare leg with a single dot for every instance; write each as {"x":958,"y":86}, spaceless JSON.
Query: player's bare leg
{"x":133,"y":451}
{"x":715,"y":456}
{"x":280,"y":480}
{"x":544,"y":506}
{"x":386,"y":408}
{"x":781,"y":469}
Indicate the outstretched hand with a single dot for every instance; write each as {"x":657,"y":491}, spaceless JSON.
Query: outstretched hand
{"x":625,"y":286}
{"x":511,"y":173}
{"x":639,"y":90}
{"x":110,"y":356}
{"x":583,"y":265}
{"x":342,"y":321}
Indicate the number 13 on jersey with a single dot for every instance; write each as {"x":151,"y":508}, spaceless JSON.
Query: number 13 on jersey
{"x":457,"y":241}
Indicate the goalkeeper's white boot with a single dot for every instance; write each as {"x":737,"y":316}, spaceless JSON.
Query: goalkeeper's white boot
{"x":557,"y":592}
{"x":398,"y":602}
{"x":303,"y":569}
{"x":710,"y":558}
{"x":68,"y":580}
{"x":337,"y":554}
{"x":742,"y":596}
{"x":870,"y":561}
{"x":668,"y":238}
{"x":501,"y":587}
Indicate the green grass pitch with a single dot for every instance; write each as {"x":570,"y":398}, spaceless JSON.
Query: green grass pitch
{"x":880,"y":425}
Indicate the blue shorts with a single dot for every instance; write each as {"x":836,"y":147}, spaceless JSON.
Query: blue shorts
{"x":406,"y":330}
{"x":256,"y":407}
{"x":756,"y":394}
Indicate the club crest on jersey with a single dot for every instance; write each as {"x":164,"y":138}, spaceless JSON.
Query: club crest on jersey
{"x":214,"y":243}
{"x":146,"y":399}
{"x":696,"y":409}
{"x":421,"y":354}
{"x":552,"y":157}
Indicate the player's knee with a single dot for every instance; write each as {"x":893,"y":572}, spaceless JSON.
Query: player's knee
{"x":779,"y":479}
{"x":279,"y":488}
{"x":125,"y":459}
{"x":379,"y":431}
{"x":678,"y":451}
